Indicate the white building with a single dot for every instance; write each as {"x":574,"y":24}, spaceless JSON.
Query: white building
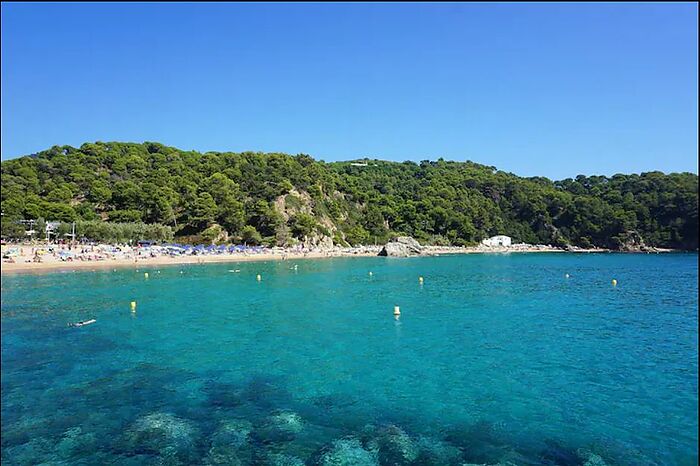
{"x":500,"y":240}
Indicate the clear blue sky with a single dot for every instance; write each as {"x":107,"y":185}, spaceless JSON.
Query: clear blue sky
{"x":536,"y":89}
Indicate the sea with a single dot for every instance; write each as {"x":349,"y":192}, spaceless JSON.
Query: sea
{"x":532,"y":359}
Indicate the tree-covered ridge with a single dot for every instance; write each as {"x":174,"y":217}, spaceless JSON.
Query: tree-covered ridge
{"x":277,"y":198}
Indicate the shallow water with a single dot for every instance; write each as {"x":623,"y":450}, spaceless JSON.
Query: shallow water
{"x":500,"y":357}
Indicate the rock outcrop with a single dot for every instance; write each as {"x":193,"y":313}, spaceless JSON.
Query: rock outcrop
{"x":631,"y":241}
{"x":403,"y":246}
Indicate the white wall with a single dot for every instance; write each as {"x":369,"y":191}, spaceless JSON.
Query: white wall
{"x":500,"y":240}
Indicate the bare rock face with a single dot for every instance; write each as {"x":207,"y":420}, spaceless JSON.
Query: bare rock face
{"x":632,"y":241}
{"x":403,"y":246}
{"x":318,"y":241}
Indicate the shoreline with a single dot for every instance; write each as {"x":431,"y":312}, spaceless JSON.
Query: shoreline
{"x":166,"y":261}
{"x":147,"y":262}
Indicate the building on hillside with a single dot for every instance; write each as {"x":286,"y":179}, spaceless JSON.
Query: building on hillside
{"x":500,"y":240}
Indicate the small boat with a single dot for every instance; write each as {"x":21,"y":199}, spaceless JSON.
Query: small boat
{"x":83,"y":322}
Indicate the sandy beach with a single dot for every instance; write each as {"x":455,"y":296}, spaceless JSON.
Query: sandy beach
{"x":22,"y":256}
{"x":23,"y":262}
{"x":19,"y":267}
{"x":51,"y":262}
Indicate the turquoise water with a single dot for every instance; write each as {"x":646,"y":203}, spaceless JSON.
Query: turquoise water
{"x":495,"y":358}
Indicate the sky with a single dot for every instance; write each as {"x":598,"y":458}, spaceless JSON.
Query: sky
{"x":535,"y":89}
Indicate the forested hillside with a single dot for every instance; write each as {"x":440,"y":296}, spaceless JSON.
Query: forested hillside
{"x":280,"y":199}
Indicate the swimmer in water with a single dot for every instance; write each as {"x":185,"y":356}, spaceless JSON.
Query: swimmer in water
{"x":81,"y":323}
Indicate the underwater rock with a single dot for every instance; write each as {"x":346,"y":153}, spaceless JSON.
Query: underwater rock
{"x":434,"y":452}
{"x":266,"y":392}
{"x":556,"y":453}
{"x":282,"y":426}
{"x":485,"y":442}
{"x":133,"y":460}
{"x":594,"y":460}
{"x":223,"y":395}
{"x":230,"y":444}
{"x":75,"y":442}
{"x":170,"y":457}
{"x":35,"y":451}
{"x":278,"y":459}
{"x":224,"y":455}
{"x":345,"y":452}
{"x":588,"y":458}
{"x":164,"y":434}
{"x":393,"y":446}
{"x":233,"y":432}
{"x":485,"y":464}
{"x":25,"y":429}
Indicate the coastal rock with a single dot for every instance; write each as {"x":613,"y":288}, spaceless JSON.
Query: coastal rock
{"x":631,"y":241}
{"x":403,"y":246}
{"x":162,"y":433}
{"x":318,"y":241}
{"x":282,"y":426}
{"x":345,"y":452}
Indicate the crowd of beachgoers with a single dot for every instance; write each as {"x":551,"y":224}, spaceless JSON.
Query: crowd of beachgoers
{"x":41,"y":253}
{"x":92,"y":252}
{"x":38,"y":256}
{"x":50,"y":255}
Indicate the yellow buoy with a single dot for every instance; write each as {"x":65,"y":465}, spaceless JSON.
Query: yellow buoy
{"x":145,"y":274}
{"x":258,"y":277}
{"x":420,"y":280}
{"x":397,"y":311}
{"x":614,"y":282}
{"x":133,"y":306}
